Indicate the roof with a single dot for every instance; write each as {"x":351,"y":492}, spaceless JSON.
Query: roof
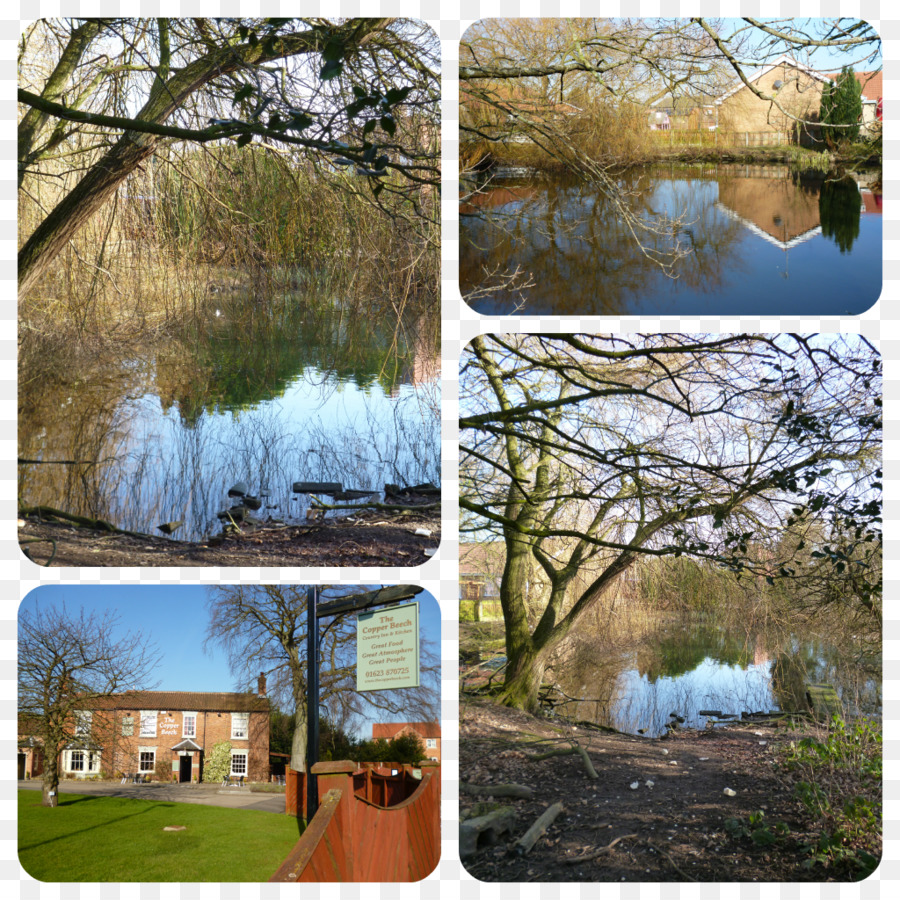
{"x":184,"y":700}
{"x":872,"y":84}
{"x":388,"y":730}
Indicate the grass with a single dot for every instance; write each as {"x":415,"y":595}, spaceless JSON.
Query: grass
{"x":90,"y":838}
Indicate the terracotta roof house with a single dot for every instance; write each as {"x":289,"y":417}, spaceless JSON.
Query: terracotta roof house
{"x":429,"y":732}
{"x":797,"y":89}
{"x":167,"y":735}
{"x":798,"y":92}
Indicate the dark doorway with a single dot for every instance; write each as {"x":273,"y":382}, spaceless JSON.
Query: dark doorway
{"x":184,"y":768}
{"x":21,"y":766}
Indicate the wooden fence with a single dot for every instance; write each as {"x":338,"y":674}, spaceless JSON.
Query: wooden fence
{"x":370,"y":826}
{"x":675,"y":138}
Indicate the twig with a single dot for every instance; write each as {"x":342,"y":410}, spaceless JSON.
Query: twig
{"x":589,"y":856}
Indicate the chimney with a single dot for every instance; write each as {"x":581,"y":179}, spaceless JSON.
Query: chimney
{"x":261,"y":685}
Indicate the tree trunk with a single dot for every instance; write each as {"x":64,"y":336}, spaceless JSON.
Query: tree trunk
{"x":50,"y":783}
{"x":524,"y":674}
{"x":92,"y":192}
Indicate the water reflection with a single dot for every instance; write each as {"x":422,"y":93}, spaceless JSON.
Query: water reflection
{"x":755,"y":239}
{"x":314,"y":395}
{"x":692,"y":665}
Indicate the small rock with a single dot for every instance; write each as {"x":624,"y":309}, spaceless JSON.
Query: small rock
{"x":729,"y":792}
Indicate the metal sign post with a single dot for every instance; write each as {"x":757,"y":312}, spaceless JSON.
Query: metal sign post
{"x":315,"y":612}
{"x":312,"y":700}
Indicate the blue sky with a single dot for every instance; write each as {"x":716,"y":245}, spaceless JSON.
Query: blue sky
{"x":823,"y":58}
{"x":174,"y":618}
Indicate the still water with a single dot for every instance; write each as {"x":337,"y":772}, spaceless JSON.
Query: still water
{"x":754,"y":240}
{"x":693,"y":665}
{"x":141,"y":439}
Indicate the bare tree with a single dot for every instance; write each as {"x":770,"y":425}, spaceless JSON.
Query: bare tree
{"x":68,"y":661}
{"x":585,"y":453}
{"x":575,"y":94}
{"x":347,"y":92}
{"x":262,"y":628}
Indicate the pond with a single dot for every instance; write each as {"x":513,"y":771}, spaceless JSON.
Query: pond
{"x":310,"y":394}
{"x":693,"y":665}
{"x":754,"y":240}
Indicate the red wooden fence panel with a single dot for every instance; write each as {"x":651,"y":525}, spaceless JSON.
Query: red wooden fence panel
{"x":354,"y":838}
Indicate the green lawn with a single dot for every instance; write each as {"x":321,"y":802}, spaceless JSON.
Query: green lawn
{"x":91,"y":838}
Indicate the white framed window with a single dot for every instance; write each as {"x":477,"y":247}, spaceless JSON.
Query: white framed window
{"x":83,"y":721}
{"x":239,"y":726}
{"x":189,"y":720}
{"x":146,"y":759}
{"x":82,"y":762}
{"x":148,"y":723}
{"x":431,"y":743}
{"x":239,"y":762}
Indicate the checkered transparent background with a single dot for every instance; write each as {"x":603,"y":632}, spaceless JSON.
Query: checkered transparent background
{"x":450,"y":19}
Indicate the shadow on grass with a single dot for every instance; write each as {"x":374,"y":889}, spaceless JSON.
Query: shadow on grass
{"x":105,"y":824}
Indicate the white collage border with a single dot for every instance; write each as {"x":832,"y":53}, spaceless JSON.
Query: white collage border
{"x":449,"y":18}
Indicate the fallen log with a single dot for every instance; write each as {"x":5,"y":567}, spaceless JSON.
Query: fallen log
{"x":517,"y":791}
{"x":566,"y":751}
{"x":539,"y":829}
{"x":50,"y":512}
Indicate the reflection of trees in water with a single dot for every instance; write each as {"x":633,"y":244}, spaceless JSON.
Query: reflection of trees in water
{"x":240,"y":360}
{"x":679,"y":650}
{"x":142,"y":461}
{"x":582,"y":256}
{"x":839,"y":210}
{"x":637,"y":683}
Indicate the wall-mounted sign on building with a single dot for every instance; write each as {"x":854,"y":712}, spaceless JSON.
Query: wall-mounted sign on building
{"x":387,"y":648}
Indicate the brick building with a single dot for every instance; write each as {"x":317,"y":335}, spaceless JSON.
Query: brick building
{"x":429,"y":732}
{"x":167,"y":735}
{"x":30,"y":757}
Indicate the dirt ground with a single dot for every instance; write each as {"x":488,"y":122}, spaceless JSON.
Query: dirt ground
{"x":371,"y":538}
{"x":659,"y":806}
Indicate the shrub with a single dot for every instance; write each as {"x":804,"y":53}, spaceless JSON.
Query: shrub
{"x":841,"y":108}
{"x":218,"y":763}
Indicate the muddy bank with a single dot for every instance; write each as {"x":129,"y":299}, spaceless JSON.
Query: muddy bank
{"x":370,"y":538}
{"x":660,"y":810}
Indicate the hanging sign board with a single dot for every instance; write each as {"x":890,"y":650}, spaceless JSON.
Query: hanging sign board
{"x":387,"y":648}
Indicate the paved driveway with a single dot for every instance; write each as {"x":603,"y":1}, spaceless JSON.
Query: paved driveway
{"x":211,"y":795}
